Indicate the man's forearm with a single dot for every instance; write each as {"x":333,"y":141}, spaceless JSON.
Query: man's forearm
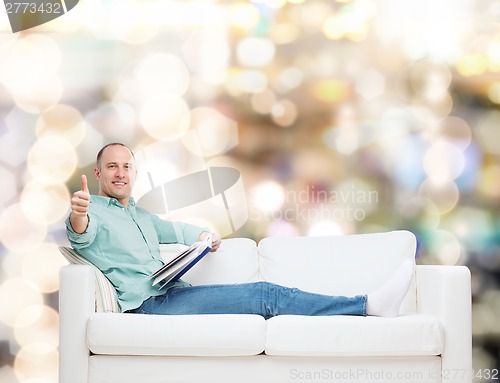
{"x":79,"y":223}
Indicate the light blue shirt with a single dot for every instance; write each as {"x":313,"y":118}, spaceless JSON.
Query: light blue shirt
{"x":124,"y":244}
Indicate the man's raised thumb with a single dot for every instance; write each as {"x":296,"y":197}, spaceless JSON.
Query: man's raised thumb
{"x":85,"y":186}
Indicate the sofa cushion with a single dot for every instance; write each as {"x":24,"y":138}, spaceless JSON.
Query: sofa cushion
{"x":179,"y":335}
{"x":338,"y":265}
{"x":408,"y":335}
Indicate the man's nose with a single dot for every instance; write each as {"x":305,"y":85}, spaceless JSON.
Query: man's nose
{"x":120,"y":173}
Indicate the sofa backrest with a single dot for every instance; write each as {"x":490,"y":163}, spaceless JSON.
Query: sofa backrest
{"x":235,"y":262}
{"x":337,"y":265}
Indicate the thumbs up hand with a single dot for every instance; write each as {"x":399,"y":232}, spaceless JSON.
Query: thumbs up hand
{"x":80,"y":207}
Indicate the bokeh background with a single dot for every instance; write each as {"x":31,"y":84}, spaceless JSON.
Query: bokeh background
{"x":341,"y":116}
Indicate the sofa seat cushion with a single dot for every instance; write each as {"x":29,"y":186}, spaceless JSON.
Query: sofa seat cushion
{"x":179,"y":335}
{"x":408,"y":335}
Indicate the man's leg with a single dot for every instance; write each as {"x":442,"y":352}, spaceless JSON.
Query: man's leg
{"x":261,"y":298}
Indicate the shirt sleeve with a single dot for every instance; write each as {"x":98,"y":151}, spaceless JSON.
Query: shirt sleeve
{"x":177,"y":232}
{"x":85,"y":239}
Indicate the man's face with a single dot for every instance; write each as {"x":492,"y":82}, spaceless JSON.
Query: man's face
{"x":116,"y":173}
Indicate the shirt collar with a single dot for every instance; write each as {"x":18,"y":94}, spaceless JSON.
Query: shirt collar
{"x":107,"y":201}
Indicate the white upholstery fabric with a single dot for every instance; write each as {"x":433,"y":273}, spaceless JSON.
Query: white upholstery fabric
{"x":264,"y":369}
{"x":338,"y":265}
{"x":193,"y":335}
{"x":409,"y":335}
{"x":235,"y":262}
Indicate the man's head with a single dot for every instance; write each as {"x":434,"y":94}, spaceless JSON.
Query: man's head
{"x":116,"y":172}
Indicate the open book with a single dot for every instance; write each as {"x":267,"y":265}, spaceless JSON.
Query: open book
{"x":182,"y":262}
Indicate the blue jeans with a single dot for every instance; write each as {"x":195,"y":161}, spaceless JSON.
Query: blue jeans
{"x":261,"y":298}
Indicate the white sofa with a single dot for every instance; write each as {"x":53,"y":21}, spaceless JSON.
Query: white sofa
{"x":429,"y":342}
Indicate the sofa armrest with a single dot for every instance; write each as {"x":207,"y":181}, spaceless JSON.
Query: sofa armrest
{"x":445,"y":292}
{"x":76,"y":303}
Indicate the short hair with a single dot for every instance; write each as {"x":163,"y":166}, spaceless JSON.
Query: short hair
{"x":99,"y":155}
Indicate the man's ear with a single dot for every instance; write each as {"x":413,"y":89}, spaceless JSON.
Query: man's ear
{"x":97,"y":173}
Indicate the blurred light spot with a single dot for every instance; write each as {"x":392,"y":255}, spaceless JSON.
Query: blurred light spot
{"x":16,"y":294}
{"x":467,"y":180}
{"x":326,"y":227}
{"x":29,"y":316}
{"x":8,"y":189}
{"x":133,"y":21}
{"x":165,"y":118}
{"x":272,"y":3}
{"x":87,"y":150}
{"x":7,"y":374}
{"x":288,"y":79}
{"x":16,"y":142}
{"x":284,"y":33}
{"x":445,"y":247}
{"x":346,"y":137}
{"x":37,"y":324}
{"x":243,"y":15}
{"x":370,"y":84}
{"x":160,"y":171}
{"x":255,"y":52}
{"x":39,"y":95}
{"x":262,"y":102}
{"x":284,"y":113}
{"x":314,"y":163}
{"x":422,"y":211}
{"x":310,"y":16}
{"x":28,"y":59}
{"x":350,"y":23}
{"x":430,"y":80}
{"x":52,"y":160}
{"x":454,"y":130}
{"x":215,"y":132}
{"x":356,"y":194}
{"x":17,"y":232}
{"x":29,"y":72}
{"x":12,"y":265}
{"x":45,"y":204}
{"x":161,"y":73}
{"x":443,"y":162}
{"x":488,"y":133}
{"x":489,"y":181}
{"x":444,"y":194}
{"x":63,"y":121}
{"x":486,"y":312}
{"x":282,"y":229}
{"x":37,"y":362}
{"x":474,"y":228}
{"x":107,"y":116}
{"x":267,"y":196}
{"x":41,"y":266}
{"x":207,"y":53}
{"x":331,"y":90}
{"x":494,"y":49}
{"x":441,"y":107}
{"x":251,"y":81}
{"x":494,"y":92}
{"x":472,"y":64}
{"x":194,"y":15}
